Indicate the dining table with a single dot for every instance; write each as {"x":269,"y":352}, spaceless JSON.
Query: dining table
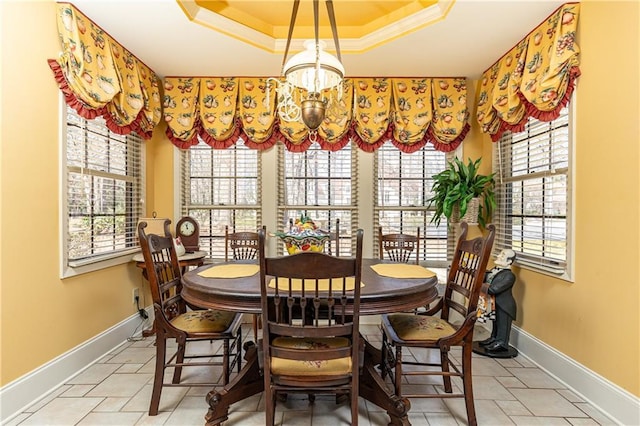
{"x":235,"y":286}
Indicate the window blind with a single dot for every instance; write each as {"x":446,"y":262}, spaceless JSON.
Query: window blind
{"x":221,"y":187}
{"x":104,"y":190}
{"x":533,"y":186}
{"x":403,"y":189}
{"x":322,"y":185}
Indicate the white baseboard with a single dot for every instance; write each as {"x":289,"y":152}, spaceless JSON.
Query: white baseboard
{"x":618,"y":404}
{"x":23,"y":392}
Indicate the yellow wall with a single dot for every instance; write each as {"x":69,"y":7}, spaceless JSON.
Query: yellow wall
{"x":593,"y":320}
{"x":42,"y":316}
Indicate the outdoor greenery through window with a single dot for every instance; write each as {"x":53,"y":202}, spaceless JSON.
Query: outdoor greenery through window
{"x":402,"y":193}
{"x":321,"y":185}
{"x":533,"y":187}
{"x":104,"y":191}
{"x":221,"y":187}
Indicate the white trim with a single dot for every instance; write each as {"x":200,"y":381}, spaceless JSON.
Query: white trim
{"x":616,"y":403}
{"x":23,"y":392}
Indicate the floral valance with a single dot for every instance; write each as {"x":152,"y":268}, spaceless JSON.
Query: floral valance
{"x":534,"y":79}
{"x":408,"y":112}
{"x":101,"y":78}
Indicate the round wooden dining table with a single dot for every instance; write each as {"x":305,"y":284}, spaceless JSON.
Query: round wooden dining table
{"x":379,"y":295}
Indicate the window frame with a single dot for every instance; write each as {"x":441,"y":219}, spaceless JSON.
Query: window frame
{"x":69,"y":267}
{"x":542,"y":265}
{"x":378,"y":208}
{"x":186,"y":206}
{"x":346,"y":232}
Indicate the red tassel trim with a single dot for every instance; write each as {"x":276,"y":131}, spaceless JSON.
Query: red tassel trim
{"x":532,"y":111}
{"x":70,"y":98}
{"x":448,"y":146}
{"x":179,"y":142}
{"x":370,"y":146}
{"x":269,"y":142}
{"x":89,"y":113}
{"x":216,"y":143}
{"x":409,"y":148}
{"x":301,"y":147}
{"x":336,"y":145}
{"x":117,"y":128}
{"x":136,"y":126}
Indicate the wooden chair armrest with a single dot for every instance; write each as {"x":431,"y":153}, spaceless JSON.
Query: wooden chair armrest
{"x":464,"y":330}
{"x":433,"y":310}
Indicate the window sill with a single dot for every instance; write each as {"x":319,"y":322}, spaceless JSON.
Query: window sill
{"x":83,"y":267}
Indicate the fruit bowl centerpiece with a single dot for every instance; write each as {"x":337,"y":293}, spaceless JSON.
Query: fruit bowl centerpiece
{"x":304,"y":235}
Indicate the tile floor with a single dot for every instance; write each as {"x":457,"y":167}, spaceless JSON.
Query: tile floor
{"x":116,"y":391}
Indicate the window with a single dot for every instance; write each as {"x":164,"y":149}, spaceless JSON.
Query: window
{"x":402,"y":193}
{"x":221,"y":187}
{"x":533,"y":187}
{"x":103,"y":194}
{"x":322,"y":185}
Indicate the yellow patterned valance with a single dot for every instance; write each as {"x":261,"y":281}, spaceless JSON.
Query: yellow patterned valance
{"x":408,"y":112}
{"x":99,"y":77}
{"x":534,"y":79}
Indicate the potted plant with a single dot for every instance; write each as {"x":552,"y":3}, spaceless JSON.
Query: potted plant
{"x":454,"y":189}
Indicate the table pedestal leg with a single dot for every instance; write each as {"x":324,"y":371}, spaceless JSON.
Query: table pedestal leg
{"x":250,"y":382}
{"x":374,"y":389}
{"x":247,"y":383}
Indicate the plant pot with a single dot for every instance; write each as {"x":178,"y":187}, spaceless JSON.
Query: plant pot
{"x":471,"y":216}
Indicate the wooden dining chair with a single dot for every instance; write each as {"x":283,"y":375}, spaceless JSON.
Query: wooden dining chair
{"x":242,"y":246}
{"x":333,"y":245}
{"x":310,"y":315}
{"x":174,"y":321}
{"x":399,"y":247}
{"x":427,"y":331}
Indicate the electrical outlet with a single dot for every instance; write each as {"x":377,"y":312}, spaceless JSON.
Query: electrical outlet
{"x":135,"y":295}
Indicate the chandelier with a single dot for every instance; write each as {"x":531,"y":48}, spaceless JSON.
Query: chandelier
{"x":313,"y":70}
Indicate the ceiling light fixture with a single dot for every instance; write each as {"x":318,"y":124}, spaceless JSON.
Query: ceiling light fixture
{"x":315,"y":71}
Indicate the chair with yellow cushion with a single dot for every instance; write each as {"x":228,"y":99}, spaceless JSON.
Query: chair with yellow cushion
{"x":453,"y":327}
{"x":242,"y":246}
{"x":401,"y":248}
{"x":174,"y":321}
{"x":310,"y":339}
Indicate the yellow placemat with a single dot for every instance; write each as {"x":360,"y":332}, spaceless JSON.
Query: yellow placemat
{"x":309,"y":285}
{"x":230,"y":271}
{"x":402,"y":270}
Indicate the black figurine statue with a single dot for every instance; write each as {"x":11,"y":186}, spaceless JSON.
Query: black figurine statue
{"x":501,"y":280}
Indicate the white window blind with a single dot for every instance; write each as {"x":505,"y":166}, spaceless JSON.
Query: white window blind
{"x":322,"y":185}
{"x":402,"y":192}
{"x":104,"y":190}
{"x":533,"y":186}
{"x":221,"y":187}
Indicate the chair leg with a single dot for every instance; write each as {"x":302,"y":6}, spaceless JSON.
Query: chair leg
{"x":444,"y":363}
{"x":383,"y":356}
{"x":158,"y":378}
{"x":256,"y":326}
{"x":398,"y":372}
{"x":177,"y":372}
{"x":467,"y":382}
{"x":354,"y":402}
{"x":270,"y":405}
{"x":225,"y":361}
{"x":239,"y":350}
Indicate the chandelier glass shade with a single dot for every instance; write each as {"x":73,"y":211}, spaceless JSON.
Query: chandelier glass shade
{"x":314,"y":71}
{"x":301,"y":70}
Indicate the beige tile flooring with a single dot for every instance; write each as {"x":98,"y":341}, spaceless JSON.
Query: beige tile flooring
{"x":116,"y":391}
